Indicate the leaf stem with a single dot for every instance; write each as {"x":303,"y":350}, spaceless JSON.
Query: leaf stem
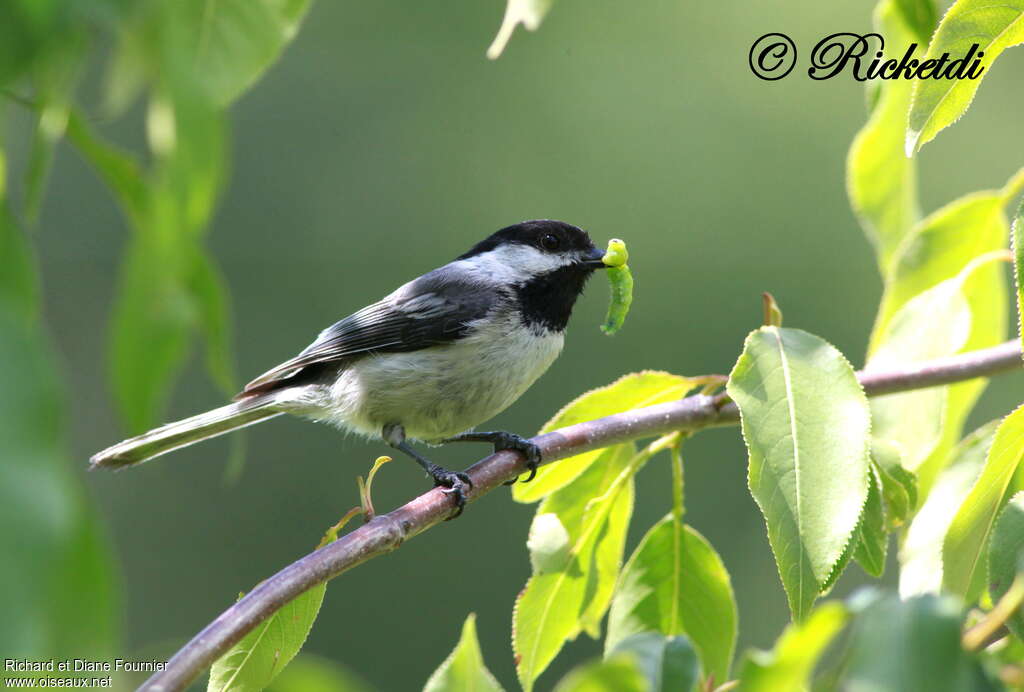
{"x":677,"y":480}
{"x":992,"y":626}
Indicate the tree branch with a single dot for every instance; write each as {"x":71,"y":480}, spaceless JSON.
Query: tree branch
{"x":387,"y":532}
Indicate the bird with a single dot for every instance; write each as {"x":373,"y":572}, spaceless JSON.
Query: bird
{"x":428,"y":363}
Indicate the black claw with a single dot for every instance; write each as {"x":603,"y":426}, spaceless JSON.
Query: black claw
{"x":506,"y":441}
{"x":519,"y":444}
{"x":455,"y":484}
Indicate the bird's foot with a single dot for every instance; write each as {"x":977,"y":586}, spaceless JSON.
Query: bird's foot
{"x":506,"y":441}
{"x":456,"y":484}
{"x":517,"y":443}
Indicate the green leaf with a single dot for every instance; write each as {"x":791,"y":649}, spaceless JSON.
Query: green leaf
{"x":529,"y":13}
{"x":251,"y":664}
{"x":941,"y":245}
{"x":790,"y":664}
{"x":576,"y":543}
{"x":309,"y":673}
{"x":675,"y":583}
{"x":207,"y":287}
{"x":119,"y":170}
{"x":619,"y":674}
{"x":940,"y":248}
{"x":151,"y":327}
{"x":881,"y":182}
{"x":963,"y":551}
{"x":464,"y":669}
{"x":53,"y":81}
{"x":874,"y":539}
{"x":921,"y":553}
{"x":939,"y":103}
{"x":910,"y":646}
{"x":1017,"y":244}
{"x":919,"y":15}
{"x":1006,"y":556}
{"x":913,"y":422}
{"x":805,"y":422}
{"x":237,"y":40}
{"x":19,"y":289}
{"x":169,"y":287}
{"x":57,"y":594}
{"x":670,"y":664}
{"x":49,"y":129}
{"x":628,"y":392}
{"x":224,"y":45}
{"x":187,"y":133}
{"x":842,"y":563}
{"x":899,"y":486}
{"x":30,"y":32}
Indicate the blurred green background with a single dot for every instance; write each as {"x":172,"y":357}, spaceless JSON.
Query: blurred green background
{"x":383,"y":144}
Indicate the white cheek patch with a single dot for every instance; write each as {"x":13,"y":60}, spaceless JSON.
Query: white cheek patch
{"x":513,"y":263}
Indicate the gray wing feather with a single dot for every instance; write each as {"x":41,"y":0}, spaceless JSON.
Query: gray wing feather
{"x":431,"y":310}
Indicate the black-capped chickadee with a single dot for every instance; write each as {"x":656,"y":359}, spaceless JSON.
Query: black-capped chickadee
{"x":442,"y":354}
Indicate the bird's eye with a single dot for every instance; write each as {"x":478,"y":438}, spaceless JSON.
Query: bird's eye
{"x":550,"y":242}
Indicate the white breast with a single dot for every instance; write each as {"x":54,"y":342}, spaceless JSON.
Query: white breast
{"x":443,"y":390}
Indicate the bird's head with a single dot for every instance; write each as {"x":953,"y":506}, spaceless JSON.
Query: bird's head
{"x":546,"y":263}
{"x":533,"y":248}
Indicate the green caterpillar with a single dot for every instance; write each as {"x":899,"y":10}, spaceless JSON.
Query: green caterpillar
{"x":621,"y":278}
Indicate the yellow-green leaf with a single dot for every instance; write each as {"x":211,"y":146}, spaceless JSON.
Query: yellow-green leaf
{"x":212,"y":305}
{"x":252,"y":663}
{"x":939,"y":103}
{"x":873,"y":541}
{"x":151,"y":329}
{"x":789,"y":665}
{"x":963,"y":551}
{"x":921,"y":16}
{"x":576,"y":543}
{"x":464,"y":669}
{"x":806,"y":424}
{"x":899,"y":486}
{"x":628,"y":392}
{"x":914,"y":422}
{"x":1006,"y":556}
{"x":910,"y":645}
{"x":880,"y":181}
{"x":674,"y":584}
{"x":311,"y":673}
{"x":224,"y":45}
{"x":938,"y":249}
{"x":19,"y":289}
{"x":57,"y":593}
{"x":1017,"y":242}
{"x":619,"y":674}
{"x":256,"y":660}
{"x":921,"y":553}
{"x":941,"y":245}
{"x":670,"y":664}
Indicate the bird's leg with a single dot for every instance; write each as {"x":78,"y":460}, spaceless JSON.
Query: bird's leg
{"x":506,"y":440}
{"x":457,"y":483}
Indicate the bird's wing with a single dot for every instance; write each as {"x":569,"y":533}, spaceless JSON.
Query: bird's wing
{"x":428,"y":311}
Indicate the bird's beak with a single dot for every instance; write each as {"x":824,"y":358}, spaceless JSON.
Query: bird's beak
{"x":593,"y":259}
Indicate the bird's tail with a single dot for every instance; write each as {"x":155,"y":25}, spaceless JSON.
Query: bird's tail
{"x":185,"y":432}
